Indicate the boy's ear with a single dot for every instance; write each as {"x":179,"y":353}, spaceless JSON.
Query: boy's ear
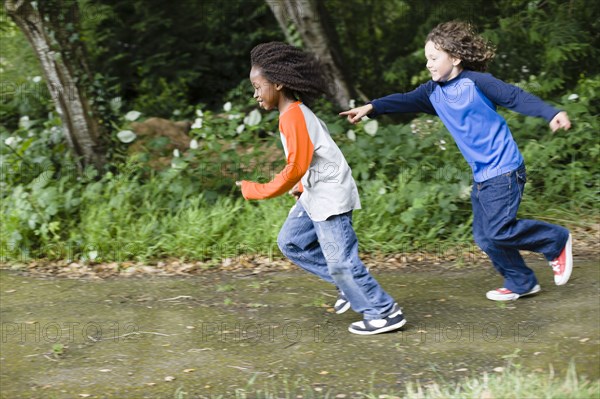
{"x":278,"y":86}
{"x":456,"y":61}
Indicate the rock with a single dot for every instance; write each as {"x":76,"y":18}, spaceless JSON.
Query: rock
{"x":106,"y":269}
{"x":150,"y":131}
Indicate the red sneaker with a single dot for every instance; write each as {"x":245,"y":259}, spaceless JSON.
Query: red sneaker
{"x":563,"y":265}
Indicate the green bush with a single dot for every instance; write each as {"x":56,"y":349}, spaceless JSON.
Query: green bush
{"x":413,"y":181}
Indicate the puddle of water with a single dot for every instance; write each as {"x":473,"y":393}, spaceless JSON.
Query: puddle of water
{"x":214,"y":333}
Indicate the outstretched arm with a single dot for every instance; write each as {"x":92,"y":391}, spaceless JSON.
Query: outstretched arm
{"x":356,"y":114}
{"x":517,"y":99}
{"x":413,"y":101}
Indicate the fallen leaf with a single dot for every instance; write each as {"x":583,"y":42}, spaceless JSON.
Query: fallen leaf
{"x":189,"y":370}
{"x":151,"y":384}
{"x":499,"y":369}
{"x":169,"y":378}
{"x":84,"y":395}
{"x":323,"y":372}
{"x":10,"y":291}
{"x":463,"y":369}
{"x":104,"y":370}
{"x":584,"y":340}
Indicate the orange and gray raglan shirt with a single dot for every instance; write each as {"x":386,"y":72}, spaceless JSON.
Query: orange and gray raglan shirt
{"x":315,"y":160}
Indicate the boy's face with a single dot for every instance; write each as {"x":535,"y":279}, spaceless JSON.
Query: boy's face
{"x":441,"y":65}
{"x":265,"y":92}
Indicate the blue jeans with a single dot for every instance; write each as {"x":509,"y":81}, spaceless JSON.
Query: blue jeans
{"x":329,"y":250}
{"x":501,"y":235}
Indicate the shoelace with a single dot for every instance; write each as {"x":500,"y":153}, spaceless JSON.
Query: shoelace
{"x":555,"y":266}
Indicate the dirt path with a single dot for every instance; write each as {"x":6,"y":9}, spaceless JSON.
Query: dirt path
{"x":212,"y":333}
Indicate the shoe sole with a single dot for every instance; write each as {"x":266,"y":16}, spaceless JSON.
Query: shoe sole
{"x":534,"y":290}
{"x":379,"y":331}
{"x":569,"y":266}
{"x":343,"y":309}
{"x":504,"y":298}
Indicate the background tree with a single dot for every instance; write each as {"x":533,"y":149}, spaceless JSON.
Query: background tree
{"x":52,"y":28}
{"x":311,"y":20}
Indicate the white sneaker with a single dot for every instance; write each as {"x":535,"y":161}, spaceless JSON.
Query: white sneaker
{"x":504,"y":294}
{"x":341,"y":304}
{"x":393,"y":321}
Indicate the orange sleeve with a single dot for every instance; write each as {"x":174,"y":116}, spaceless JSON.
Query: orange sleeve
{"x":299,"y":156}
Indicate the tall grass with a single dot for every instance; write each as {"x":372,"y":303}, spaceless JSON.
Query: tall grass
{"x":513,"y":383}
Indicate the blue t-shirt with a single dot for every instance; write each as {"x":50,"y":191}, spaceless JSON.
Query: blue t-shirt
{"x":467,"y":106}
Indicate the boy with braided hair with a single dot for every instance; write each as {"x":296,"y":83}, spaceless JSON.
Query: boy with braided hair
{"x":318,"y":235}
{"x":465,"y":99}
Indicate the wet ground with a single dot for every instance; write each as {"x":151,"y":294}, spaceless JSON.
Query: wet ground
{"x":209,"y":335}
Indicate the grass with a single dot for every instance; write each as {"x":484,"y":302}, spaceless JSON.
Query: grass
{"x":512,"y":383}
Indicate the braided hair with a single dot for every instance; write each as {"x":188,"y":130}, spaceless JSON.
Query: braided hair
{"x":460,"y":40}
{"x":300,"y":73}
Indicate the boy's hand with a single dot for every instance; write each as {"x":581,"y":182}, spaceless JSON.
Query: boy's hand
{"x":561,"y":120}
{"x":355,"y":114}
{"x":295,"y":191}
{"x":238,"y":183}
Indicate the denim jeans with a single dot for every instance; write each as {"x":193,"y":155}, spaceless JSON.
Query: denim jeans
{"x":501,"y":235}
{"x":329,"y":250}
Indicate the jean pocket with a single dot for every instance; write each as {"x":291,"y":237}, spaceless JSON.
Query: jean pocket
{"x":521,"y":176}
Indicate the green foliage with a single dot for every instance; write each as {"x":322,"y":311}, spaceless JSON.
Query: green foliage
{"x":38,"y":183}
{"x":563,"y":166}
{"x":556,"y":41}
{"x":22,"y":87}
{"x":175,"y":61}
{"x":413,"y":181}
{"x":133,"y":211}
{"x":382,"y":41}
{"x":189,"y":52}
{"x":158,"y":59}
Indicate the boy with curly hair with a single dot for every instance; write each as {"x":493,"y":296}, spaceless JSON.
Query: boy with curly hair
{"x":465,"y":99}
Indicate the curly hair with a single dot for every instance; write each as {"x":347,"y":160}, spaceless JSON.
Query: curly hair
{"x":300,"y":73}
{"x":460,"y":40}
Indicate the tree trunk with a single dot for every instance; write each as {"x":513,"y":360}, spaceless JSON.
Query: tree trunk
{"x":310,"y":19}
{"x":65,"y":69}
